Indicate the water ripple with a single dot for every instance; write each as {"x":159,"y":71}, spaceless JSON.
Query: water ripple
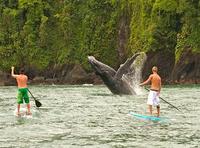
{"x":90,"y":116}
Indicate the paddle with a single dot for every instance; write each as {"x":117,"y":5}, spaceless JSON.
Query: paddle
{"x":165,"y":101}
{"x":37,"y":103}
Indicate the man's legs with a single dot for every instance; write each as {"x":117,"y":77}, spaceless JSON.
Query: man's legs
{"x":19,"y":101}
{"x":27,"y":101}
{"x":158,"y":110}
{"x":150,"y":109}
{"x":18,"y":109}
{"x":29,"y":109}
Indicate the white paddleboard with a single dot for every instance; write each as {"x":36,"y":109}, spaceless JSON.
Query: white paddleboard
{"x":23,"y":113}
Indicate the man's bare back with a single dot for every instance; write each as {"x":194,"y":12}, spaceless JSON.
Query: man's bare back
{"x":155,"y":82}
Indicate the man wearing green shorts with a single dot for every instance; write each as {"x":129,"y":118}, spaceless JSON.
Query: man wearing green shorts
{"x":22,"y":96}
{"x":22,"y":90}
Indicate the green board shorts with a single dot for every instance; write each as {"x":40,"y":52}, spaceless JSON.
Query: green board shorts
{"x":22,"y":96}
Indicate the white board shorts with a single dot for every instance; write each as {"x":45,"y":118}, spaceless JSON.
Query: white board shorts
{"x":153,"y":98}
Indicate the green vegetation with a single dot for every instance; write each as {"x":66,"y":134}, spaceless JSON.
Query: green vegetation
{"x":43,"y":33}
{"x":165,"y":25}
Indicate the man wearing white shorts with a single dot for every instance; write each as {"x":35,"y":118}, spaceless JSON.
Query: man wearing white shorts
{"x":153,"y":98}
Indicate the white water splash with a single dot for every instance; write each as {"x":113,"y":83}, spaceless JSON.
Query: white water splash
{"x":135,"y":76}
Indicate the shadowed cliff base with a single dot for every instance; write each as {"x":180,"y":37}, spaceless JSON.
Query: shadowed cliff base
{"x":185,"y":71}
{"x":187,"y":68}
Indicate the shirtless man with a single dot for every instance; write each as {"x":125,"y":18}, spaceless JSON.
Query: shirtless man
{"x":153,"y":97}
{"x":22,"y":90}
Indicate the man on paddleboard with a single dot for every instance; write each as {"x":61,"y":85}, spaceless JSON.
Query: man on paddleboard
{"x":22,"y":90}
{"x":153,"y":97}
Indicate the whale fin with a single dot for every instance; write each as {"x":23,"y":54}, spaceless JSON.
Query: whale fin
{"x":126,"y":67}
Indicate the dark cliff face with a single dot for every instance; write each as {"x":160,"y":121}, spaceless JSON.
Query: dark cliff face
{"x":163,"y":60}
{"x":163,"y":33}
{"x":187,"y":69}
{"x":123,"y":35}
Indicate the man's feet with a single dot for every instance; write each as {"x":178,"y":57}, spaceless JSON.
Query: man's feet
{"x":157,"y":115}
{"x":18,"y":114}
{"x":28,"y":113}
{"x":154,"y":114}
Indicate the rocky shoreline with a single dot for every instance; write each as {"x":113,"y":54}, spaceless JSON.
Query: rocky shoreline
{"x":77,"y":76}
{"x":74,"y":76}
{"x":184,"y":71}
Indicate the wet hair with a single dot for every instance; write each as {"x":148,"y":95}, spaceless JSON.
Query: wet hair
{"x":155,"y":69}
{"x":21,"y":71}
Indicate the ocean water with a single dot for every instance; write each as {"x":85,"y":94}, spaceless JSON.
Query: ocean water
{"x":91,"y":116}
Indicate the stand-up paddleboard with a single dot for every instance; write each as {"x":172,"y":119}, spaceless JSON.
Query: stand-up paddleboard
{"x":146,"y":117}
{"x":23,"y":113}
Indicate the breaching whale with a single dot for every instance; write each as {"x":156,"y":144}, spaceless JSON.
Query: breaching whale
{"x":118,"y":82}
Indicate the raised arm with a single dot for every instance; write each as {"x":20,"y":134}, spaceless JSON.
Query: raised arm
{"x":12,"y":72}
{"x":147,"y":81}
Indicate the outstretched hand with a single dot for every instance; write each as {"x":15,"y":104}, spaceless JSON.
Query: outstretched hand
{"x":140,"y":84}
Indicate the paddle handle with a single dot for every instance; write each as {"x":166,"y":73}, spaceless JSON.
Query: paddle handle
{"x":31,"y":94}
{"x":37,"y":103}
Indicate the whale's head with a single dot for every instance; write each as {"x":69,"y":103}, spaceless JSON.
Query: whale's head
{"x":100,"y":68}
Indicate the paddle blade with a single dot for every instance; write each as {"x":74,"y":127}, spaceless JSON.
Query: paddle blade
{"x":37,"y":103}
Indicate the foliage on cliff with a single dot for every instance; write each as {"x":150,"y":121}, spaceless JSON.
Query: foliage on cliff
{"x":165,"y":25}
{"x":40,"y":33}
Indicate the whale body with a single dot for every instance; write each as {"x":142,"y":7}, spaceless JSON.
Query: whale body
{"x":118,"y":82}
